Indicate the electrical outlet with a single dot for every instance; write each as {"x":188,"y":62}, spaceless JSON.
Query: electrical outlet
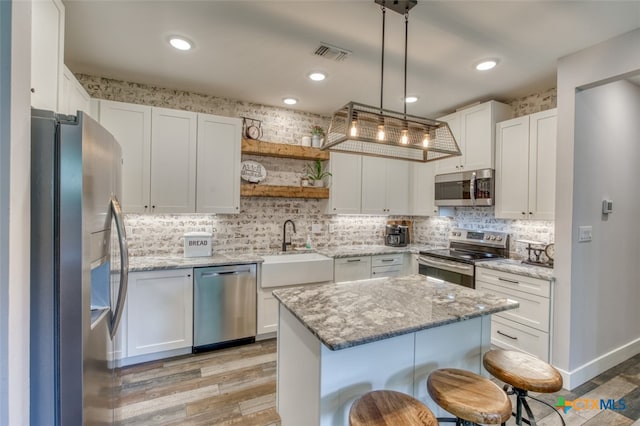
{"x":316,"y":228}
{"x":585,"y":234}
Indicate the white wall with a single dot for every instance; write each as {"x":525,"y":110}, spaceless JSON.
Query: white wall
{"x":15,"y":66}
{"x":591,"y":333}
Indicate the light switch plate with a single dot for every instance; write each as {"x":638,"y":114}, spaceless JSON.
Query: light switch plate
{"x":585,"y":234}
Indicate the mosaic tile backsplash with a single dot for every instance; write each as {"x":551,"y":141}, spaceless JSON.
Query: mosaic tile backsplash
{"x":258,"y":226}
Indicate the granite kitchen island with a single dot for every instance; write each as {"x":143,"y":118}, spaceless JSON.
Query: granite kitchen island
{"x":339,"y":341}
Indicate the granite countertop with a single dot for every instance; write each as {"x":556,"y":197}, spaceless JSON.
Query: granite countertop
{"x":372,"y":250}
{"x":150,"y":263}
{"x":358,"y":312}
{"x":516,"y":266}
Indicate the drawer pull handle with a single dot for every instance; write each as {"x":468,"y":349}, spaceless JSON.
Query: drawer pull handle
{"x":506,"y":335}
{"x":509,"y":281}
{"x":353,"y":260}
{"x":387,"y":260}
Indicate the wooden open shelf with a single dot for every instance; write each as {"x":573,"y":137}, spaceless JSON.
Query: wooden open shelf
{"x":270,"y":149}
{"x":255,"y":190}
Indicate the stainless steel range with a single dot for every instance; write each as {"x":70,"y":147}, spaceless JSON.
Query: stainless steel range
{"x":457,"y":263}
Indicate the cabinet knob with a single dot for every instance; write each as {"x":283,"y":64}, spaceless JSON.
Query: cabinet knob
{"x":146,"y":207}
{"x":153,"y":207}
{"x":523,"y":213}
{"x":334,"y":208}
{"x":188,"y":275}
{"x":33,"y":90}
{"x":530,"y":213}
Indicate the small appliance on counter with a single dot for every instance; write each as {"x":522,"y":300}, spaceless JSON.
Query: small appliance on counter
{"x":396,"y":235}
{"x":539,"y":254}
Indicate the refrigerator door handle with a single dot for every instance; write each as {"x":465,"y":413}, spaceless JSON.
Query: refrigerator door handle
{"x":124,"y":265}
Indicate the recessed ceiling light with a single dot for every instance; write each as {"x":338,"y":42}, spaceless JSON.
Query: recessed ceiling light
{"x":486,"y":64}
{"x":180,"y":43}
{"x":411,"y":99}
{"x":290,"y":101}
{"x":317,"y":76}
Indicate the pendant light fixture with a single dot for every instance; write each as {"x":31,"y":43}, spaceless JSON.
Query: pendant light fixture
{"x":368,"y":130}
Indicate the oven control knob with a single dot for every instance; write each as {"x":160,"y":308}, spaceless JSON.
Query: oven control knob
{"x":493,"y":237}
{"x":486,"y":237}
{"x":499,"y":238}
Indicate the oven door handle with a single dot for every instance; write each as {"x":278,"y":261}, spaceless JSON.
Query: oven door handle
{"x":448,"y":266}
{"x":472,"y":188}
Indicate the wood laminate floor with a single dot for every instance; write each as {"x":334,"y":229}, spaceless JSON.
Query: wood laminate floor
{"x":237,"y":386}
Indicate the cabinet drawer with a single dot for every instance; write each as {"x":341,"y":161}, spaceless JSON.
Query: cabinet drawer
{"x":387,"y":271}
{"x":387,"y":259}
{"x":511,"y":335}
{"x":514,"y":281}
{"x":533,"y":310}
{"x":352,"y":268}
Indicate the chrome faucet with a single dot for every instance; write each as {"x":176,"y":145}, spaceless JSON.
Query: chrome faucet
{"x":284,"y":234}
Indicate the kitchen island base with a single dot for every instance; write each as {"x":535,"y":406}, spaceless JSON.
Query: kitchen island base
{"x":316,"y":385}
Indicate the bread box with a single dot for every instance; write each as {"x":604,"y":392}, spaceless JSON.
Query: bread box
{"x":197,"y":244}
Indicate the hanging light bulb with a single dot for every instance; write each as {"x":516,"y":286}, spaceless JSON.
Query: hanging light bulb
{"x":426,"y":140}
{"x":354,"y":125}
{"x":380,"y":132}
{"x":404,"y":138}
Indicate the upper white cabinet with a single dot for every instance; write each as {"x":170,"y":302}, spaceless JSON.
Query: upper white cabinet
{"x":74,"y":98}
{"x":173,"y":161}
{"x":385,"y":186}
{"x":218,"y":164}
{"x":47,"y":53}
{"x":422,"y":189}
{"x":526,"y":167}
{"x":474,"y":130}
{"x":345,"y":183}
{"x":130,"y":124}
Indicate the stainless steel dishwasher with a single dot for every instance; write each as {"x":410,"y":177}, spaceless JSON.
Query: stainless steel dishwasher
{"x":224,"y":306}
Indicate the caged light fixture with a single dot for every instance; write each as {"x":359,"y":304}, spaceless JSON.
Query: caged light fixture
{"x":368,"y":130}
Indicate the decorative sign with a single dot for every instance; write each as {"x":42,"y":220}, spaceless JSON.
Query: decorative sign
{"x":252,"y":171}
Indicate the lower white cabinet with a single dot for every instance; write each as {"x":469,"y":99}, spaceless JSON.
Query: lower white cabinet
{"x":352,"y":268}
{"x":159,"y":312}
{"x":365,"y":267}
{"x":267,"y":311}
{"x":526,"y":328}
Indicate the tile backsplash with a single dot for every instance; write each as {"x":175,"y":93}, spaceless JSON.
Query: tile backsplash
{"x":258,"y":226}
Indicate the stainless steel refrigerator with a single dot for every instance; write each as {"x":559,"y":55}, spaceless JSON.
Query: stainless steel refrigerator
{"x":78,"y":269}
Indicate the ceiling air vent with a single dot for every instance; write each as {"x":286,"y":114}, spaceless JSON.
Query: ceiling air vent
{"x":332,"y":53}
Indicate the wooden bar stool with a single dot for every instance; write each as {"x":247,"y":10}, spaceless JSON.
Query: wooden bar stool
{"x":523,"y":373}
{"x":473,"y":399}
{"x":390,"y":408}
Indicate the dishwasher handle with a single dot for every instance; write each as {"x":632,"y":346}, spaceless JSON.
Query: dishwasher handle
{"x":216,"y":274}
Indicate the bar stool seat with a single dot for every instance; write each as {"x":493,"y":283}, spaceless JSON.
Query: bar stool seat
{"x":523,"y":373}
{"x":469,"y":396}
{"x":390,"y":408}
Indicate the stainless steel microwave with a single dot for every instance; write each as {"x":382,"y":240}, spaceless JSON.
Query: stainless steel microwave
{"x":471,"y":188}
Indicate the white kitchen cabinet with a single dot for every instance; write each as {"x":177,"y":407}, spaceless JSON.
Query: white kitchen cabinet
{"x":218,"y":164}
{"x":387,"y":265}
{"x":528,"y":327}
{"x":74,"y":98}
{"x":474,"y":130}
{"x":345,"y":183}
{"x":173,"y":161}
{"x":130,"y":124}
{"x":526,"y":166}
{"x":47,"y":53}
{"x":385,"y":186}
{"x":352,"y":268}
{"x":422,"y":189}
{"x":267,"y":312}
{"x":160,"y":311}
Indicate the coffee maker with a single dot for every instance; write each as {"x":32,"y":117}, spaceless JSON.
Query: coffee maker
{"x":396,"y":235}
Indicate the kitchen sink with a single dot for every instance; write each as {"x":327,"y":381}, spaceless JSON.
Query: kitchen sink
{"x":296,"y":268}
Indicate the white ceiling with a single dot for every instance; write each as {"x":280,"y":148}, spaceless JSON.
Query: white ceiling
{"x":262,"y":50}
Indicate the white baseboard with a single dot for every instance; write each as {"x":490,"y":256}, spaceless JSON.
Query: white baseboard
{"x":573,"y":379}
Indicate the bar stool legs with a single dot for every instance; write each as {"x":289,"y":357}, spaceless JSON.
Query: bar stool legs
{"x":521,"y":402}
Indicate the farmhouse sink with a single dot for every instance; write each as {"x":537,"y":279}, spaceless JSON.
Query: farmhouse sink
{"x":298,"y":268}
